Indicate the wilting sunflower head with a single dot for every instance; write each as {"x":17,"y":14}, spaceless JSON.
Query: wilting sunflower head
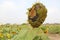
{"x":37,"y":14}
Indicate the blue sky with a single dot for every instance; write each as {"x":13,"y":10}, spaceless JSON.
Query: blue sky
{"x":14,"y":11}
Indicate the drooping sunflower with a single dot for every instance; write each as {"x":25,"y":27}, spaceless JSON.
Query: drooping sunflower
{"x":37,"y":14}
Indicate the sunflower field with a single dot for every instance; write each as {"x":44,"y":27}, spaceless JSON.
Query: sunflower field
{"x":26,"y":32}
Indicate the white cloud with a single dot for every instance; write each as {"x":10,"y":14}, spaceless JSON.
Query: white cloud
{"x":15,"y":11}
{"x":10,"y":13}
{"x":53,"y":15}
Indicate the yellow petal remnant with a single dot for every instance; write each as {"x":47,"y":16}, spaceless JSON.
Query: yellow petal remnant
{"x":8,"y":35}
{"x":46,"y":31}
{"x":13,"y":32}
{"x":1,"y":35}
